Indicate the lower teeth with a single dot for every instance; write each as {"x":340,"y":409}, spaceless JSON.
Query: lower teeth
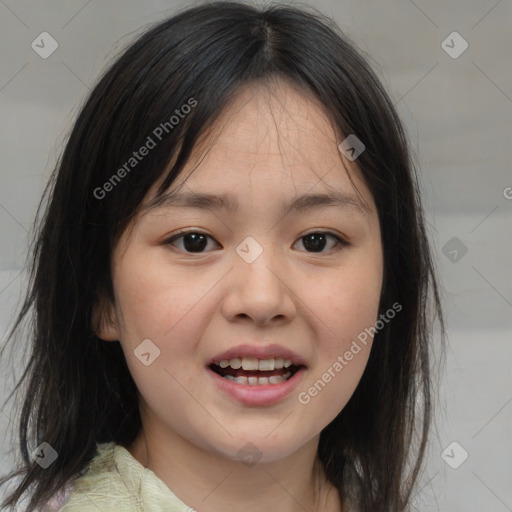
{"x":259,"y":381}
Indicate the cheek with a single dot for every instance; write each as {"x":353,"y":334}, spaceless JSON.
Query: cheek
{"x":347,"y":307}
{"x":157,"y":302}
{"x":331,"y":389}
{"x":345,"y":304}
{"x":170,"y":319}
{"x":343,"y":354}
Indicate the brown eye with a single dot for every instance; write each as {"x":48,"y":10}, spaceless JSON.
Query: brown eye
{"x":317,"y":241}
{"x":195,"y":242}
{"x":192,"y":241}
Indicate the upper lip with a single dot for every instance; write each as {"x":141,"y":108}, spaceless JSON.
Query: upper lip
{"x":259,"y":352}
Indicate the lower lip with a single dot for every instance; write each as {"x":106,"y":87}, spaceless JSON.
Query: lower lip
{"x":265,"y":394}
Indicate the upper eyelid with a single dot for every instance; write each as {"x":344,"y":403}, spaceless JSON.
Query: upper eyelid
{"x":340,"y":239}
{"x":324,"y":231}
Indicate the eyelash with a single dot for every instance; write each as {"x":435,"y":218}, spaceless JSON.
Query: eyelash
{"x":340,"y":242}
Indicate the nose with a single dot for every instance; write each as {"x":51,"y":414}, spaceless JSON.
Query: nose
{"x":261,"y":291}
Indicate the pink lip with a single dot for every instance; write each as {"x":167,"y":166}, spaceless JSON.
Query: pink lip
{"x":259,"y":352}
{"x":268,"y":394}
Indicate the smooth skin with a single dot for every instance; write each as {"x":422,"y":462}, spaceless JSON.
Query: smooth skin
{"x":269,"y":146}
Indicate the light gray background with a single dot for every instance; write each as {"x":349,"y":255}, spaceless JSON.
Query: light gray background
{"x":458,"y":114}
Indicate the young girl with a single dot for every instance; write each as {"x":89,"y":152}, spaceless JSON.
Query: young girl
{"x":230,"y":282}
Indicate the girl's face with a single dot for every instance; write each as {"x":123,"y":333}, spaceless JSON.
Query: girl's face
{"x":258,"y":279}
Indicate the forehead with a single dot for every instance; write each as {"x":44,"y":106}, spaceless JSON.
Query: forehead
{"x":277,"y":125}
{"x":268,"y":143}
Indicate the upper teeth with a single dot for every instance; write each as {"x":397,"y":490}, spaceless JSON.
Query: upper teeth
{"x":251,"y":363}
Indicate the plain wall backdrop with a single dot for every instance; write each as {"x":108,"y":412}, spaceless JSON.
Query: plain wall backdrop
{"x":456,"y":103}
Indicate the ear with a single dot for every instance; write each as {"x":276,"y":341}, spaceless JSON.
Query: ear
{"x":104,"y":322}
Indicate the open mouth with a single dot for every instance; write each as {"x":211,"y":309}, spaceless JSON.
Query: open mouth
{"x":256,"y":372}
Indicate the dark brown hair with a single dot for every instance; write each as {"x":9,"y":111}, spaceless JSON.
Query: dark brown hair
{"x":80,"y":391}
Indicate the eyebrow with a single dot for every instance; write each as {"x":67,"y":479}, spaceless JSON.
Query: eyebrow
{"x":228,"y":202}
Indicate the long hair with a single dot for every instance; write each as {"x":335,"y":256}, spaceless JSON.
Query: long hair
{"x":79,"y":391}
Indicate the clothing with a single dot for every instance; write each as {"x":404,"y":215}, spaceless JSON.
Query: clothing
{"x":115,"y":481}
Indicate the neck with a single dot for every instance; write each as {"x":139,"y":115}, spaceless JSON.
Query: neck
{"x":208,"y":482}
